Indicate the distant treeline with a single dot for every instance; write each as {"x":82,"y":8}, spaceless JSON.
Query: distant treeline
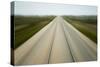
{"x":18,"y":19}
{"x":88,"y":19}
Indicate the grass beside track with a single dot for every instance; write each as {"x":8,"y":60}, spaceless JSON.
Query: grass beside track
{"x":85,"y":24}
{"x":33,"y":25}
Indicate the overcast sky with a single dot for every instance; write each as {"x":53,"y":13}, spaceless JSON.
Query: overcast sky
{"x":31,"y":8}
